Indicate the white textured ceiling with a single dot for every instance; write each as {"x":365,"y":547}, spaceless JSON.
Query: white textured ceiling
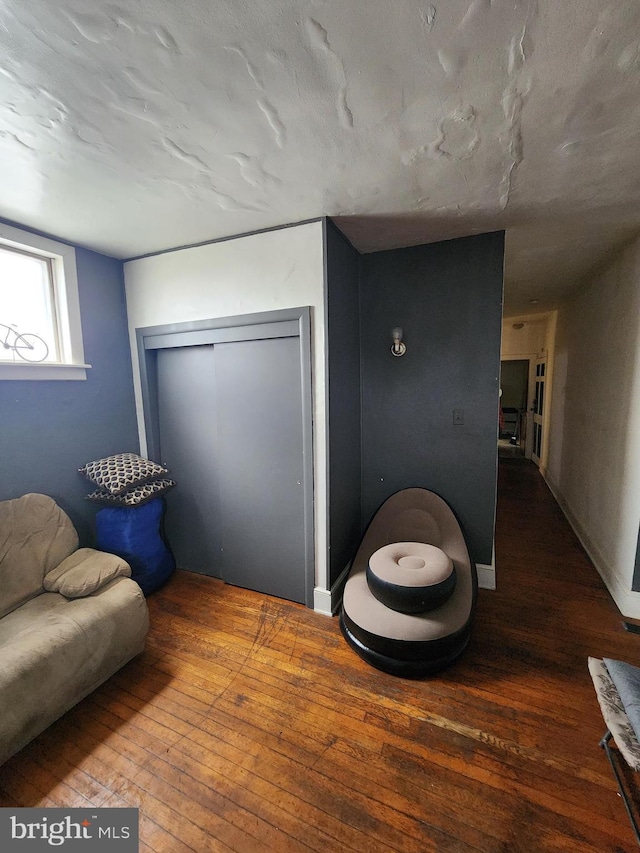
{"x":137,"y":127}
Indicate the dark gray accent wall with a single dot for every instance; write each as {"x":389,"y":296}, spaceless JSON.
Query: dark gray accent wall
{"x":343,"y":399}
{"x":448,"y":299}
{"x":50,"y":428}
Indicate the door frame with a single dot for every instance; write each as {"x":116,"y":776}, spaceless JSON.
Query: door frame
{"x":539,"y":378}
{"x":288,"y":322}
{"x":531,"y":384}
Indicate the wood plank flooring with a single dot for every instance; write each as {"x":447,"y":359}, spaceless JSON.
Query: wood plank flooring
{"x":249,"y":725}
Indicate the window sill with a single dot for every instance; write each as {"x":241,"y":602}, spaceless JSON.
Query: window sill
{"x":44,"y":371}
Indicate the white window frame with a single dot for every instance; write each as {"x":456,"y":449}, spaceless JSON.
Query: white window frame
{"x":67,"y":306}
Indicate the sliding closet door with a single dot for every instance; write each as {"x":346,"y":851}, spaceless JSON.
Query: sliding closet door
{"x":260,"y":465}
{"x":187,"y":422}
{"x":231,"y":432}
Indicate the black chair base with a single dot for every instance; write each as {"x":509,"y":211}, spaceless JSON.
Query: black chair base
{"x":406,"y":668}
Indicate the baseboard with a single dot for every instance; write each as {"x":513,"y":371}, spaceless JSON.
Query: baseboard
{"x":627,"y":602}
{"x":322,"y":601}
{"x":487,"y":573}
{"x":328,"y":601}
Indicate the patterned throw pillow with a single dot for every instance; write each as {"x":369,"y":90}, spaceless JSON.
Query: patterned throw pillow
{"x":118,"y":473}
{"x":136,"y":496}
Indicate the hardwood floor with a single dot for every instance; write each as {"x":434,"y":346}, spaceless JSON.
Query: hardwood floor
{"x":249,"y":725}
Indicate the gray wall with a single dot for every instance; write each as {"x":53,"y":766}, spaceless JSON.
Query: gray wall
{"x":49,"y":428}
{"x":447,"y":297}
{"x":343,"y":399}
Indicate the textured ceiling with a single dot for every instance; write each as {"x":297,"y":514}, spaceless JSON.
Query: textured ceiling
{"x":137,"y":127}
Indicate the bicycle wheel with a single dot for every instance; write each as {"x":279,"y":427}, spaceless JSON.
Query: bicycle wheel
{"x":31,"y":347}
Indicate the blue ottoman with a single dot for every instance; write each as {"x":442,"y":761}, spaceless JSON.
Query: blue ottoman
{"x":134,"y":533}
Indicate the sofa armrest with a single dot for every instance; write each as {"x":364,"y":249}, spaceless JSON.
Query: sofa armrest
{"x":85,"y":572}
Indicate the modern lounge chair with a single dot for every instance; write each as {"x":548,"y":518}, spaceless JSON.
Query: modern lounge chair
{"x":409,"y":602}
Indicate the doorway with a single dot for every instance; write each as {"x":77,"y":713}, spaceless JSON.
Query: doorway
{"x":514,"y":386}
{"x":228,"y":410}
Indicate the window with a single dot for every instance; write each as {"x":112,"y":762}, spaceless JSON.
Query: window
{"x":28,"y":324}
{"x":40,"y":331}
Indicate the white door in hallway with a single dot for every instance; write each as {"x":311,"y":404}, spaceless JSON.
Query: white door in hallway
{"x":538,"y":411}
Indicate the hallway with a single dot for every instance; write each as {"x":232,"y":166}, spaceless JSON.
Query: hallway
{"x":551,"y":605}
{"x":537,"y":553}
{"x":550,"y":612}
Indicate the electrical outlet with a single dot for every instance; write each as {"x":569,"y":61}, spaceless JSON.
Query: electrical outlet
{"x":458,"y":417}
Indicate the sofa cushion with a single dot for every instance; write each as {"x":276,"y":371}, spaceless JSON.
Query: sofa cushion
{"x":35,"y":536}
{"x":115,"y":474}
{"x":55,"y":651}
{"x":85,"y":572}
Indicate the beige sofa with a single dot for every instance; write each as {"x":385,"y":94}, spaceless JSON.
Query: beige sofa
{"x":69,"y":618}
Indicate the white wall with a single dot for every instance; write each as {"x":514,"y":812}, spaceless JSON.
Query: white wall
{"x":261,"y":272}
{"x":527,"y":342}
{"x":594,"y":453}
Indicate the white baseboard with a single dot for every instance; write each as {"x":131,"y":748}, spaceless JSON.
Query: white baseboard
{"x":487,"y":574}
{"x":328,"y":601}
{"x":627,"y":602}
{"x":322,"y":601}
